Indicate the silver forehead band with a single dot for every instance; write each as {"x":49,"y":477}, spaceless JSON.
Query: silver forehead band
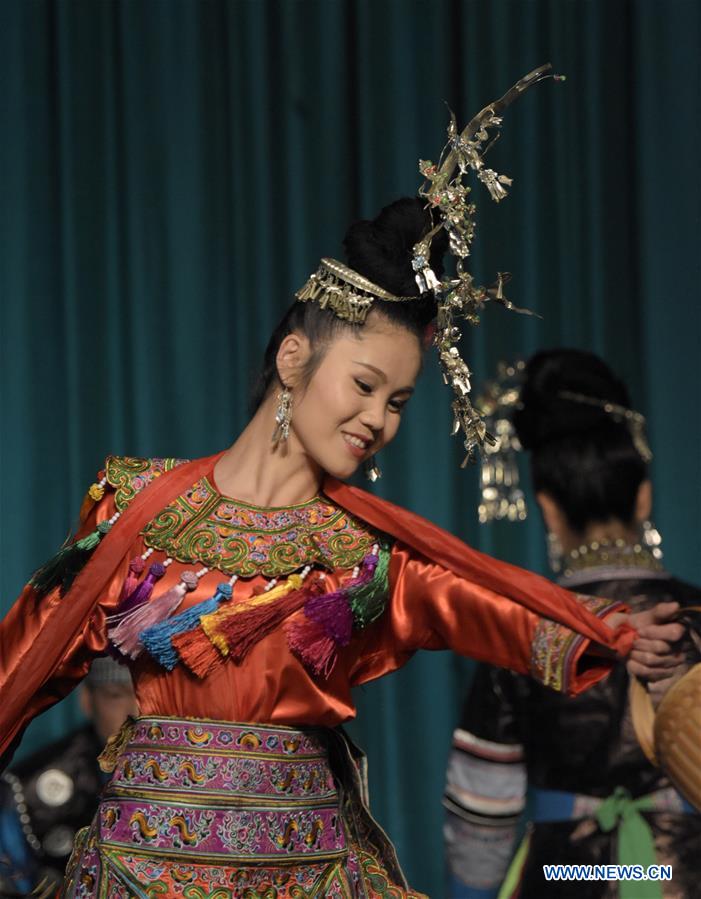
{"x":634,"y":421}
{"x":348,"y":294}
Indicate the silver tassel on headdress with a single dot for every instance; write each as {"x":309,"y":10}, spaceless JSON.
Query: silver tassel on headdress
{"x":501,"y":496}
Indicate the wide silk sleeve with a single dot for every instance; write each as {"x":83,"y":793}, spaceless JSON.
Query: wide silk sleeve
{"x":432,"y":608}
{"x":32,"y":625}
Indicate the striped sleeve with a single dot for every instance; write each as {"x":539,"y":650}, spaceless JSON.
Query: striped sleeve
{"x":485,"y":792}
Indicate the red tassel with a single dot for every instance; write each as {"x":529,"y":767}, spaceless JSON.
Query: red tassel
{"x":196,"y":652}
{"x":309,"y":641}
{"x":244,"y":630}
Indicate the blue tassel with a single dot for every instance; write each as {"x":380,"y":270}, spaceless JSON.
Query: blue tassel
{"x":157,"y":640}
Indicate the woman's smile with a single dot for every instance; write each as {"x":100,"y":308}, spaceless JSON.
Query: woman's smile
{"x":358,"y":446}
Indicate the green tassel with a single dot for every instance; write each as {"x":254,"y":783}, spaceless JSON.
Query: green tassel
{"x":368,"y":602}
{"x":63,"y":568}
{"x":91,"y":540}
{"x":50,"y":574}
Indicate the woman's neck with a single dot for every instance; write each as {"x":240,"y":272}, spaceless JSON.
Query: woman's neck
{"x":601,"y":532}
{"x":256,"y":471}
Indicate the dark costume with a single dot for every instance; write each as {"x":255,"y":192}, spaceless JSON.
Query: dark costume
{"x":52,"y":794}
{"x":233,"y":780}
{"x":570,"y":754}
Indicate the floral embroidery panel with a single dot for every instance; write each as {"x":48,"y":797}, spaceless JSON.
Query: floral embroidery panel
{"x":237,"y":538}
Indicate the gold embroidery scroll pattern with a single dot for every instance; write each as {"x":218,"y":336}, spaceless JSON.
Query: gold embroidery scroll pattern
{"x":201,"y":525}
{"x":128,"y":475}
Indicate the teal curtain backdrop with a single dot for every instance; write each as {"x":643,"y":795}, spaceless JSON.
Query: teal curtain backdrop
{"x":171,"y":171}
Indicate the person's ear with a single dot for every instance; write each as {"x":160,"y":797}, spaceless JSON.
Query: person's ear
{"x":553,"y":516}
{"x":293,"y":354}
{"x":643,"y":502}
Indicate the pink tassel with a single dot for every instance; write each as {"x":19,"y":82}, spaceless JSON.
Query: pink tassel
{"x":136,"y":567}
{"x":143,"y":591}
{"x":125,"y":636}
{"x":310,"y":642}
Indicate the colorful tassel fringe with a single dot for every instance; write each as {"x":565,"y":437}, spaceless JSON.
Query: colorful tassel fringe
{"x":196,"y":652}
{"x":368,"y":599}
{"x":227,"y":627}
{"x":312,"y":645}
{"x":158,"y":640}
{"x":333,"y":613}
{"x":232,"y":632}
{"x":326,"y":623}
{"x":204,"y":649}
{"x":125,"y":634}
{"x":202,"y":637}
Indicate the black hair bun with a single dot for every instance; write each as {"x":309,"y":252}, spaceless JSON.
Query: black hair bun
{"x":545,"y":416}
{"x":381,"y":249}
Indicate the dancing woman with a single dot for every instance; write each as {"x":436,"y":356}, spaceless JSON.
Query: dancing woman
{"x":250,"y":591}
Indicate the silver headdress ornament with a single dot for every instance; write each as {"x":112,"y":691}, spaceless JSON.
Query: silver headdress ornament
{"x":344,"y":291}
{"x":634,"y":421}
{"x":351,"y":296}
{"x":501,"y":496}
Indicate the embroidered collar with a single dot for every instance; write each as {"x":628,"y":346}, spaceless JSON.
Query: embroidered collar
{"x":606,"y":560}
{"x":239,"y":538}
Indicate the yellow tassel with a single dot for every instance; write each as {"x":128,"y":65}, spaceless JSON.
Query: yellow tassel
{"x":210,"y":623}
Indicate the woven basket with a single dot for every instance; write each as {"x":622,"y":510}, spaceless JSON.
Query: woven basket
{"x":671,"y":738}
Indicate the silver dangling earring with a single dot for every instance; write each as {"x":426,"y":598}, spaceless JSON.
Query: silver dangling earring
{"x":651,"y":538}
{"x":555,"y":553}
{"x":283,"y":416}
{"x":372,"y":469}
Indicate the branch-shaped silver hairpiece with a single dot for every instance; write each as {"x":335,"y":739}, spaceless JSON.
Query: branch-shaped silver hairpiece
{"x":446,"y":192}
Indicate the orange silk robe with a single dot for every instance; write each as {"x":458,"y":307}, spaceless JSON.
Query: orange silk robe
{"x":440,"y":598}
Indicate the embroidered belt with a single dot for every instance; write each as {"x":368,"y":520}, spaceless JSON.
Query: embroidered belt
{"x":212,"y":789}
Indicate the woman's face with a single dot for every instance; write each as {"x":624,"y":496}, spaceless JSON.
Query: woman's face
{"x":353,"y":403}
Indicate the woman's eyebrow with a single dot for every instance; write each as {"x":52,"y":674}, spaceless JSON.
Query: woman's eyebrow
{"x":378,"y":371}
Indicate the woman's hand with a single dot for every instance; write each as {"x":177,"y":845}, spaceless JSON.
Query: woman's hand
{"x":653,"y":657}
{"x":657,"y":690}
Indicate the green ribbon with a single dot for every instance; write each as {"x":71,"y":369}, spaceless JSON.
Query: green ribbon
{"x":508,"y":888}
{"x":635,"y":842}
